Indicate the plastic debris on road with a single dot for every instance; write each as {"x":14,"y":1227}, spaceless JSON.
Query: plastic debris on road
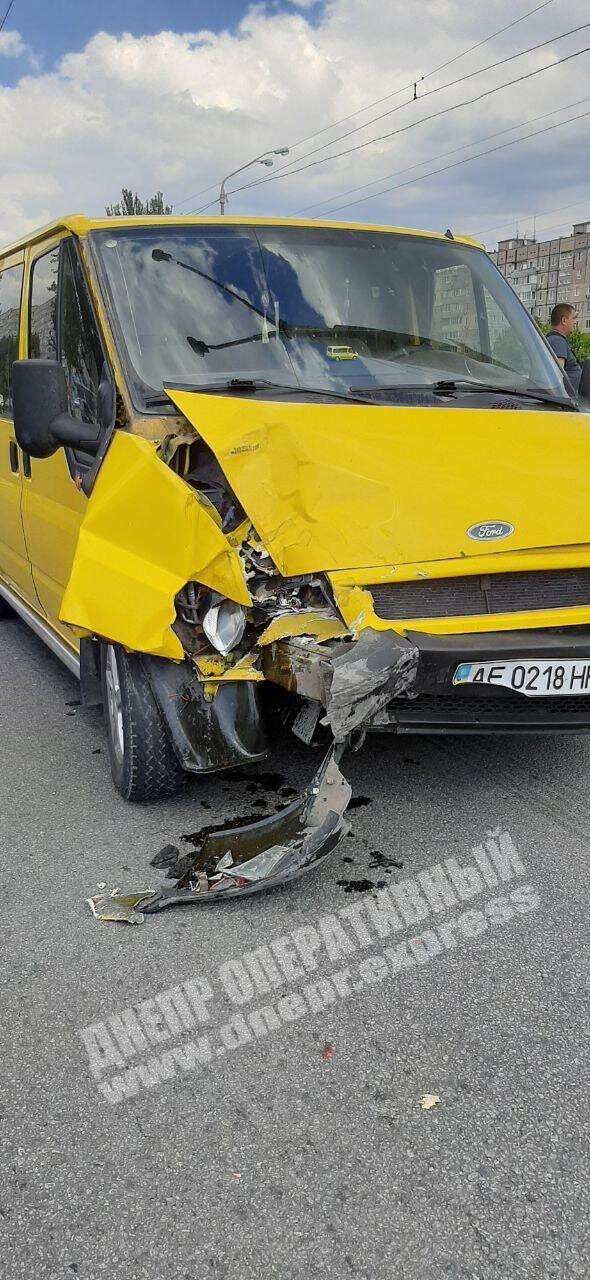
{"x":120,"y":906}
{"x":429,"y":1100}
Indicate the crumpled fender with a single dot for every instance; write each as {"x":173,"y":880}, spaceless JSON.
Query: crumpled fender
{"x":144,"y":535}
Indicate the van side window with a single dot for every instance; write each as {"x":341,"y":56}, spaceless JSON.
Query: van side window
{"x":10,"y":290}
{"x":79,"y":342}
{"x":43,"y":306}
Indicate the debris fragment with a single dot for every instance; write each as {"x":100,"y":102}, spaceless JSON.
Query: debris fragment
{"x":328,"y":1053}
{"x":227,"y":860}
{"x":120,"y":906}
{"x":429,"y":1100}
{"x":359,"y":886}
{"x":235,"y":1176}
{"x":383,"y":860}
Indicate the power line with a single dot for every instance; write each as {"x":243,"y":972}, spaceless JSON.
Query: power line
{"x":544,"y":213}
{"x":490,"y":150}
{"x":407,"y":87}
{"x":412,"y":125}
{"x":441,"y":156}
{"x":377,"y":102}
{"x":450,"y":84}
{"x":6,"y":15}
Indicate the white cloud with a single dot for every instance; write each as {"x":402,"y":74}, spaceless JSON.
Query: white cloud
{"x":177,"y":111}
{"x":11,"y":44}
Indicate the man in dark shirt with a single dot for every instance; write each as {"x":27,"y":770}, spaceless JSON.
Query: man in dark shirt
{"x":563,"y":322}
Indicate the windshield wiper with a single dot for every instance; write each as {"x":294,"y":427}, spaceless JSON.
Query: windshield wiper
{"x":237,"y":386}
{"x":465,"y":384}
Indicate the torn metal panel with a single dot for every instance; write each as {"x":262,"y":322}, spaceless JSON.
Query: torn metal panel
{"x":214,"y":667}
{"x":377,"y":668}
{"x":298,"y":664}
{"x":265,"y":853}
{"x":210,"y":729}
{"x":352,"y":680}
{"x":144,"y":535}
{"x":310,"y":622}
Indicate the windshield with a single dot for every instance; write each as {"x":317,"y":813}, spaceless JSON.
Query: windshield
{"x":336,"y":309}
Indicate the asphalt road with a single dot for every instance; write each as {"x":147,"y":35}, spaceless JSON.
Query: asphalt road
{"x":305,"y":1153}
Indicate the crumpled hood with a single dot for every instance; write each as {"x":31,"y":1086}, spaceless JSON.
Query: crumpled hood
{"x":335,"y":486}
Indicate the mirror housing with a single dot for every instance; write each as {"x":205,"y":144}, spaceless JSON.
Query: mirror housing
{"x":42,"y":424}
{"x":584,"y":387}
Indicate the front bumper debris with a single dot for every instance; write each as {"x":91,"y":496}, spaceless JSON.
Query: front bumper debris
{"x":352,"y":680}
{"x":355,"y":682}
{"x":240,"y":860}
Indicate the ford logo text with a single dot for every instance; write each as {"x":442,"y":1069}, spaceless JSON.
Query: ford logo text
{"x":490,"y":530}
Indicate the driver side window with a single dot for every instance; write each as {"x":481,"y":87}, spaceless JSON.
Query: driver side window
{"x":63,"y":326}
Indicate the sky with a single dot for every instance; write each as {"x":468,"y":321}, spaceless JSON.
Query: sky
{"x":172,"y":96}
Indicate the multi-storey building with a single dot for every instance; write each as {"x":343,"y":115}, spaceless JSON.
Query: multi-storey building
{"x":548,"y":271}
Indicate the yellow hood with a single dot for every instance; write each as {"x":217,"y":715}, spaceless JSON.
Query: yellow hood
{"x":335,"y":486}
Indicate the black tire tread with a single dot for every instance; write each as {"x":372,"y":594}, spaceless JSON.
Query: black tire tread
{"x":151,"y":769}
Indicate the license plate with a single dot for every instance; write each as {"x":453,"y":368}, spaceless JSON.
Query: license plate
{"x":562,"y":677}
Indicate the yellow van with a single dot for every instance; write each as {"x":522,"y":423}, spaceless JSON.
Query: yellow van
{"x":338,"y":460}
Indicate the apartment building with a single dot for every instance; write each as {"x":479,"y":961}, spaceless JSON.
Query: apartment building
{"x":548,"y":271}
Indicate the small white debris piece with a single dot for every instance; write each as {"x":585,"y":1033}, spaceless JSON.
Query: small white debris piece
{"x":429,"y":1100}
{"x":101,"y":884}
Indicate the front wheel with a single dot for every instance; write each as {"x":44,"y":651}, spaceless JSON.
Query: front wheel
{"x":143,"y":762}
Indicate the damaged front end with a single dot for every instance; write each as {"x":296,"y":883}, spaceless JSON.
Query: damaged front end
{"x":170,"y":566}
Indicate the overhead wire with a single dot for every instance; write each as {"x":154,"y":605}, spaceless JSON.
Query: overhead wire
{"x":457,"y":163}
{"x":420,"y":79}
{"x":323,"y":205}
{"x":449,"y":84}
{"x":413,"y":124}
{"x":6,"y":15}
{"x":543,"y":213}
{"x":377,"y":102}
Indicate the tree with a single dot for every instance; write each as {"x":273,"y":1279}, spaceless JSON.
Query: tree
{"x":131,"y":204}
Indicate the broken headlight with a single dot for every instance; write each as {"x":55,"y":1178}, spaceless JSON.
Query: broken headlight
{"x":224,"y":624}
{"x":222,"y":621}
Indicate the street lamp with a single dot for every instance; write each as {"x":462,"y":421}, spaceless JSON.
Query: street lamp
{"x":265,"y":158}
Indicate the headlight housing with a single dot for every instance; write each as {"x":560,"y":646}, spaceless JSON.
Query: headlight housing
{"x":222,"y":621}
{"x":224,"y":624}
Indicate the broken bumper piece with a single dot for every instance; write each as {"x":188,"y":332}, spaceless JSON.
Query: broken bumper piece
{"x":352,"y":681}
{"x":259,"y":855}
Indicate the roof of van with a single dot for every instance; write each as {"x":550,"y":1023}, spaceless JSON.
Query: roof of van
{"x":80,"y":226}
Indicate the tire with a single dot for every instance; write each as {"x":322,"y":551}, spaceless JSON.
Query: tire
{"x":5,"y":609}
{"x":143,"y":762}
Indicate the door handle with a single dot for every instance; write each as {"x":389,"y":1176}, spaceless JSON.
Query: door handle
{"x":13,"y":455}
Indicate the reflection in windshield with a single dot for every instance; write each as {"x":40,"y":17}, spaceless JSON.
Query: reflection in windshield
{"x":321,"y":306}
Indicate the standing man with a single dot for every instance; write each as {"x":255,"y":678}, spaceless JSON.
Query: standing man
{"x":563,"y":322}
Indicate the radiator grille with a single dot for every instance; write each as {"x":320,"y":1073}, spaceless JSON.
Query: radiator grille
{"x":482,"y":593}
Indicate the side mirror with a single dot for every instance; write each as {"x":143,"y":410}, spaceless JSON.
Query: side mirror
{"x":42,"y":423}
{"x":584,"y":387}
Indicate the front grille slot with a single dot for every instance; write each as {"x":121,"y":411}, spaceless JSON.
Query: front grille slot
{"x":482,"y":594}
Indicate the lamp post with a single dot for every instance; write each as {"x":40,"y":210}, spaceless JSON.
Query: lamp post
{"x":265,"y":158}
